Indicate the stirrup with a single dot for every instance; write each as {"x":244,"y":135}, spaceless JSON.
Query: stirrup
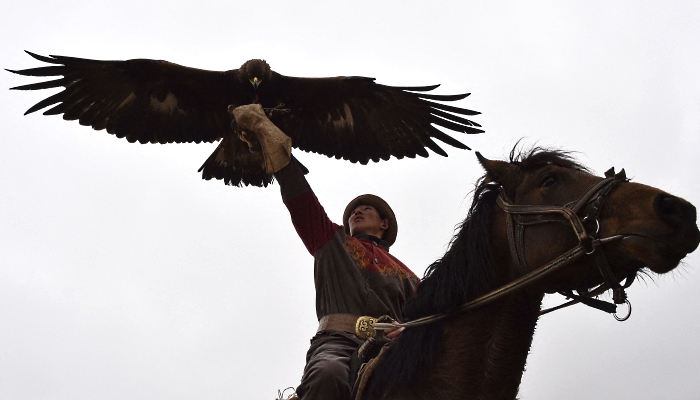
{"x":292,"y":396}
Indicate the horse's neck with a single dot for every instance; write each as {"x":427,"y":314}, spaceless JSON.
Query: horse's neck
{"x":484,"y":351}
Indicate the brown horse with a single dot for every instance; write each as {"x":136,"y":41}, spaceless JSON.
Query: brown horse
{"x":619,"y":228}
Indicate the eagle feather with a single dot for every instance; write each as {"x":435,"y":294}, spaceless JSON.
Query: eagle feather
{"x":155,"y":101}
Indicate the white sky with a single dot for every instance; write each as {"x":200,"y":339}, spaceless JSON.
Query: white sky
{"x":125,"y":276}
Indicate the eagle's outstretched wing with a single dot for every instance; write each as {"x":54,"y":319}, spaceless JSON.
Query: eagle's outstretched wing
{"x":356,"y":119}
{"x":146,"y":101}
{"x":151,"y":101}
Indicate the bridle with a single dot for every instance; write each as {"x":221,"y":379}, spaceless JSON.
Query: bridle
{"x":518,"y":217}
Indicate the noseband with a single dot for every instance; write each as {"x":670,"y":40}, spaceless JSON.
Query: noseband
{"x":518,"y":217}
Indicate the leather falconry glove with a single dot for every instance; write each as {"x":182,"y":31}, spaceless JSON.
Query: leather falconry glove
{"x":276,"y":146}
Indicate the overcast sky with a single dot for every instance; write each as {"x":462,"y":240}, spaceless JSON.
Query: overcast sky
{"x":123,"y":275}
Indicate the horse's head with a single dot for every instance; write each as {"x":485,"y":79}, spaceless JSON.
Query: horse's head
{"x":636,"y":225}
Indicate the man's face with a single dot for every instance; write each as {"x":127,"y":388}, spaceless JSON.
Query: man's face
{"x":366,"y":219}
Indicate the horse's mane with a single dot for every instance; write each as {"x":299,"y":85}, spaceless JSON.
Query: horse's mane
{"x":463,"y":273}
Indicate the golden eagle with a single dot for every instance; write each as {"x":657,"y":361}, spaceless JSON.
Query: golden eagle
{"x":155,"y":101}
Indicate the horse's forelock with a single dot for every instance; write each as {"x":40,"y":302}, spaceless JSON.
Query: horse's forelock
{"x":537,"y":157}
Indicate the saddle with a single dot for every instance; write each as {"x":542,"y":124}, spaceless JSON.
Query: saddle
{"x":365,"y":359}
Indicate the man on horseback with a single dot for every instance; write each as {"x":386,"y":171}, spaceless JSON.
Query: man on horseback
{"x":354,"y":273}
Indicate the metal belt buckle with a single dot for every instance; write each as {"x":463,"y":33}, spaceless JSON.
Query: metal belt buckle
{"x":364,"y":327}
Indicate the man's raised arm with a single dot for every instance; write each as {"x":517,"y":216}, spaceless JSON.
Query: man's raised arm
{"x":308,"y":216}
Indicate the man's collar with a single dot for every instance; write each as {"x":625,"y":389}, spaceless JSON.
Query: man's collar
{"x":377,"y":241}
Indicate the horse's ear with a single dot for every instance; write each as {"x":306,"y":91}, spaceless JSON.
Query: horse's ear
{"x":496,"y":171}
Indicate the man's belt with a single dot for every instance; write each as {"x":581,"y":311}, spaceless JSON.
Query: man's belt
{"x":360,"y":326}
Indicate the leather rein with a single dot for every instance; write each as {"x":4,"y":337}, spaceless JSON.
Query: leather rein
{"x":518,"y":217}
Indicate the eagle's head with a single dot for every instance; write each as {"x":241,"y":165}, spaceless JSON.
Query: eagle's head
{"x":256,"y":71}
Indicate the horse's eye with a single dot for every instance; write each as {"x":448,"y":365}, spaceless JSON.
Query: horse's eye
{"x":549,"y":180}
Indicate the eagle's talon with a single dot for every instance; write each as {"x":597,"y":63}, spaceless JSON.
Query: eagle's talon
{"x":250,"y":140}
{"x":277,"y":109}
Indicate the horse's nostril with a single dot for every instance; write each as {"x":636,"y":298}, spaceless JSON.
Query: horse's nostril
{"x":674,"y":210}
{"x":667,"y":205}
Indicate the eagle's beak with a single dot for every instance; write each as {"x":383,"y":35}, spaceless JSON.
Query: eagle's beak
{"x":255,"y":82}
